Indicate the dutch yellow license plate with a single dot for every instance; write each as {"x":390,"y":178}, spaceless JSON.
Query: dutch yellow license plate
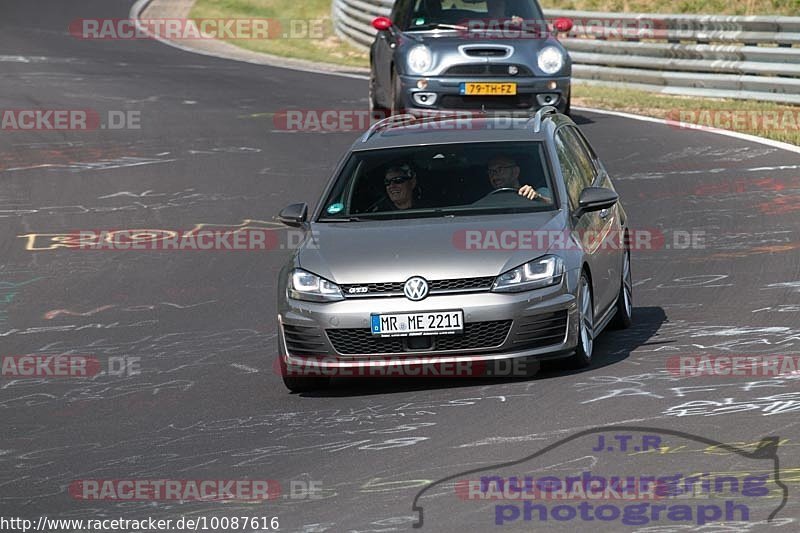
{"x":488,"y":89}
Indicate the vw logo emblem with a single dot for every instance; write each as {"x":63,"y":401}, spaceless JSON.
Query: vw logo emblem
{"x":416,"y":288}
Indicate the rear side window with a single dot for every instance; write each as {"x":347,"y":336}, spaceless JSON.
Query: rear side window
{"x":576,"y":164}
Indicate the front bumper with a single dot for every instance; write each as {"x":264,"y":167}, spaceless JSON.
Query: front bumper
{"x":539,"y":324}
{"x":443,"y":94}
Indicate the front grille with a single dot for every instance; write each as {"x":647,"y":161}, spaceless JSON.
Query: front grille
{"x":304,"y":340}
{"x":484,"y":69}
{"x":373,"y":289}
{"x":519,"y":101}
{"x":361,"y":341}
{"x":539,"y":331}
{"x":486,"y":51}
{"x":463,"y":284}
{"x":476,"y":336}
{"x":436,"y":286}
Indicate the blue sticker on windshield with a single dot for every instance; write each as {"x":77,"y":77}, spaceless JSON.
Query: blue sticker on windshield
{"x":419,"y":22}
{"x":335,"y":208}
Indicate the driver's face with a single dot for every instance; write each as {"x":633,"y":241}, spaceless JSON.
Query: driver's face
{"x":502,"y":174}
{"x":399,"y":188}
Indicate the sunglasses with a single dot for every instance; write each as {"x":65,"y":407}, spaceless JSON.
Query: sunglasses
{"x":396,"y":180}
{"x":494,"y":171}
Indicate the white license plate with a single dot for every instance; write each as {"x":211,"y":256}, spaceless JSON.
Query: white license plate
{"x":423,"y":323}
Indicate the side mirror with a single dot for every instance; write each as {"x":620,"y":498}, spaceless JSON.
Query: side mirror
{"x":382,"y":23}
{"x":562,"y":25}
{"x":293,"y":215}
{"x":595,"y":199}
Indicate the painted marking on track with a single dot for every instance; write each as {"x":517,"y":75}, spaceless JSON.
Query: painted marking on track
{"x":50,"y":315}
{"x":246,"y":368}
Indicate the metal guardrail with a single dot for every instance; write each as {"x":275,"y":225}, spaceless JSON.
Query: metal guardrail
{"x":756,"y":57}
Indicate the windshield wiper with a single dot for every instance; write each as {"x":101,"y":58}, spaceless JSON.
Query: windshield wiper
{"x":436,"y":25}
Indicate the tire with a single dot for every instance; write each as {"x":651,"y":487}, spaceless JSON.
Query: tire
{"x":374,"y":107}
{"x":623,"y":318}
{"x":568,"y":105}
{"x":583,"y":352}
{"x":397,"y":92}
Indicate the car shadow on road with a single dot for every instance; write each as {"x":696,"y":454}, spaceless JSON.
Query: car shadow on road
{"x":611,"y":347}
{"x":615,"y":345}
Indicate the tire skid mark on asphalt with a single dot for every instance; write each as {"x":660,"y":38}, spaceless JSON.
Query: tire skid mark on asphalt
{"x":75,"y":157}
{"x":767,"y":396}
{"x":393,"y":427}
{"x":178,"y":200}
{"x":726,"y":339}
{"x":546,"y":435}
{"x":55,"y":313}
{"x":162,"y":361}
{"x":39,"y":330}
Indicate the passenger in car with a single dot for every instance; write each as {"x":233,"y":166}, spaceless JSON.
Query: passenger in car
{"x":504,"y":173}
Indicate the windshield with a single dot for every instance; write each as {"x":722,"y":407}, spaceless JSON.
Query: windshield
{"x":441,"y":180}
{"x":426,"y":14}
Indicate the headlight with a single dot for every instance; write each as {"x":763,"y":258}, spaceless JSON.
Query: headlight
{"x":550,"y":59}
{"x":307,"y":286}
{"x":419,"y":59}
{"x":542,"y":272}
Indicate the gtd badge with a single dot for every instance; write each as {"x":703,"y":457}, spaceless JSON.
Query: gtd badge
{"x":357,"y":290}
{"x":416,"y":288}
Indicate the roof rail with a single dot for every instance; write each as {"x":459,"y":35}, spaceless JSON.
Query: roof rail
{"x":539,"y":117}
{"x":386,"y":122}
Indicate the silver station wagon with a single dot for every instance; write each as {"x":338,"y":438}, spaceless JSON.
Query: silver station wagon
{"x":482,"y":239}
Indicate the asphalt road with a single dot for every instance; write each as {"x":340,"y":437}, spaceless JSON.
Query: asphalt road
{"x":206,"y":404}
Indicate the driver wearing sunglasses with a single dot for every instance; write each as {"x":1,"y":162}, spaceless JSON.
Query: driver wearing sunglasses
{"x":503,"y":172}
{"x":400,"y":182}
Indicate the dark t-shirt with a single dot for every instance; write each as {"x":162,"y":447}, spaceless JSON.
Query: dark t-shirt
{"x":385,"y":204}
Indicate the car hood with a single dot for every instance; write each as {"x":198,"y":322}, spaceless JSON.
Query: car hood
{"x":435,"y":248}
